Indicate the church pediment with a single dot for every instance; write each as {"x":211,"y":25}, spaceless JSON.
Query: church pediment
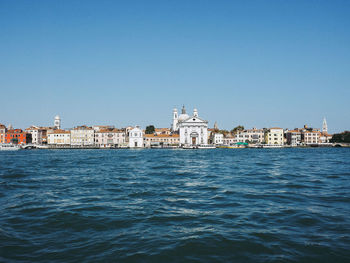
{"x":194,"y":119}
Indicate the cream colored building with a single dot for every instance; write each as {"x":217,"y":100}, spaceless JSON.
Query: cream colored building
{"x":251,"y":135}
{"x":58,"y":137}
{"x":274,"y":136}
{"x":161,"y":139}
{"x":82,"y":136}
{"x":2,"y":133}
{"x":311,"y":137}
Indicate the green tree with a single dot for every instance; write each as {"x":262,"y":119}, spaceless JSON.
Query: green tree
{"x":238,"y":128}
{"x":150,"y":129}
{"x":341,"y":137}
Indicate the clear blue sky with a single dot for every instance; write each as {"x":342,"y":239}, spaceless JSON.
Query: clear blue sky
{"x":255,"y":63}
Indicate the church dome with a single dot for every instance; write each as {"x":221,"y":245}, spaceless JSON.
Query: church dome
{"x":183,"y":117}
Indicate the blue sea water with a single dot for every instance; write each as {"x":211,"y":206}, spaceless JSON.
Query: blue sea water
{"x":215,"y":205}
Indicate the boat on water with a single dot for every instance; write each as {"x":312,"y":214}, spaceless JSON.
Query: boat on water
{"x":200,"y":146}
{"x":271,"y":146}
{"x":8,"y":147}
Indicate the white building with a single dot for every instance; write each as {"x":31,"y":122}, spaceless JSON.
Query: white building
{"x":109,"y":138}
{"x":311,"y":137}
{"x":229,"y":139}
{"x":274,"y":136}
{"x":218,"y":138}
{"x":58,"y":137}
{"x":57,"y":122}
{"x":136,"y":138}
{"x":82,"y":136}
{"x":37,"y":134}
{"x":193,"y":130}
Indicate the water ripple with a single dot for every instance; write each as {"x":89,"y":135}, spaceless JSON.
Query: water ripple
{"x":223,"y":205}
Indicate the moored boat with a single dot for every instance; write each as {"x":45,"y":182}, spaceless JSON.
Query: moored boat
{"x":8,"y":147}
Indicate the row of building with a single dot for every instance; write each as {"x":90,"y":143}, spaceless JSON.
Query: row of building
{"x":184,"y":130}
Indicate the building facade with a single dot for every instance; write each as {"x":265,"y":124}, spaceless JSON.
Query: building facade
{"x":161,"y":140}
{"x":311,"y":137}
{"x":17,"y":136}
{"x":294,"y":137}
{"x":36,"y":133}
{"x":193,"y":130}
{"x":274,"y":136}
{"x":136,"y":138}
{"x":109,"y":138}
{"x":2,"y":133}
{"x":58,"y":137}
{"x":82,"y":136}
{"x":217,"y":138}
{"x":253,"y":136}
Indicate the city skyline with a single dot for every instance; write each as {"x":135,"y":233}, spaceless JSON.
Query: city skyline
{"x":257,"y":64}
{"x":53,"y":123}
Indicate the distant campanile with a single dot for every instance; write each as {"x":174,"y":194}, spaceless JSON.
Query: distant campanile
{"x":324,"y":126}
{"x":57,"y":122}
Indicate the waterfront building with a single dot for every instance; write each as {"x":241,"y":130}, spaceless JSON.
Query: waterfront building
{"x":109,"y":138}
{"x":82,"y":136}
{"x":59,"y":137}
{"x":44,"y":131}
{"x":229,"y":139}
{"x":161,"y":140}
{"x":193,"y":130}
{"x":325,"y":138}
{"x":136,"y":138}
{"x":2,"y":133}
{"x":36,"y":133}
{"x":57,"y":122}
{"x":102,"y":127}
{"x":17,"y":136}
{"x":217,"y":138}
{"x":274,"y":136}
{"x":159,"y":131}
{"x":294,"y":137}
{"x":311,"y":137}
{"x":253,"y":136}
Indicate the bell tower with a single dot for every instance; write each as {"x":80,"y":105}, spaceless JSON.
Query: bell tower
{"x":324,"y":126}
{"x":57,"y":122}
{"x":175,"y":120}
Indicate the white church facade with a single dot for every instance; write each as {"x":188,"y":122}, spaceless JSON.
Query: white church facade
{"x":192,"y":129}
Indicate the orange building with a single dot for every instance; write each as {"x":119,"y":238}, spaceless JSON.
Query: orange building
{"x":17,"y":136}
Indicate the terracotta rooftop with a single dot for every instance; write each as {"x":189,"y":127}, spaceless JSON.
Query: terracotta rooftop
{"x":162,"y":135}
{"x":115,"y":130}
{"x":58,"y":132}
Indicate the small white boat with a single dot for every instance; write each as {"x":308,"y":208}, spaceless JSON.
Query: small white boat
{"x":201,"y":146}
{"x":8,"y":147}
{"x":271,"y":146}
{"x":206,"y":146}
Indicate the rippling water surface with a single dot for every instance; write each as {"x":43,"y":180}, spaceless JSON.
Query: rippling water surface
{"x":222,"y":205}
